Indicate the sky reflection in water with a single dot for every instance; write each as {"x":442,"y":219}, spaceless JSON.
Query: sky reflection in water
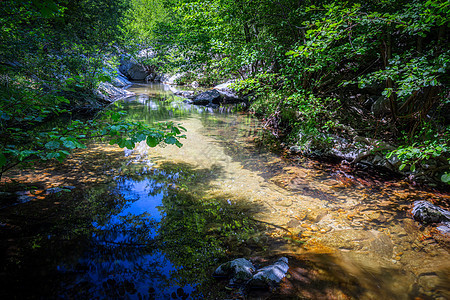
{"x":120,"y":264}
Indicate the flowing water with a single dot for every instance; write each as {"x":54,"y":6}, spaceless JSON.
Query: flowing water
{"x":154,"y":223}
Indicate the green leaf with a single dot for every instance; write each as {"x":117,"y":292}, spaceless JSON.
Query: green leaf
{"x":176,"y":130}
{"x":402,"y":166}
{"x":446,"y":178}
{"x":105,"y":78}
{"x":115,"y":117}
{"x":129,"y":144}
{"x":52,"y":145}
{"x":2,"y":160}
{"x":291,"y":52}
{"x":140,"y":137}
{"x":170,"y":140}
{"x":152,"y":141}
{"x":52,"y":155}
{"x":69,"y":144}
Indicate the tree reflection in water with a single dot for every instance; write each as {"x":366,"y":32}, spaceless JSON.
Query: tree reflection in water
{"x":161,"y":241}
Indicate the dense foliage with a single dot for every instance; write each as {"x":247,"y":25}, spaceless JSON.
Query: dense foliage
{"x":315,"y":68}
{"x":53,"y":55}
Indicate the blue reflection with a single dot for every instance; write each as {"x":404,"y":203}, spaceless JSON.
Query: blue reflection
{"x":123,"y":260}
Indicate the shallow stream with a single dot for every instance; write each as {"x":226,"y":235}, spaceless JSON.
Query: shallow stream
{"x":154,"y":223}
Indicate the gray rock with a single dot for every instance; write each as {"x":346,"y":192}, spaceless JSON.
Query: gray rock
{"x":444,"y":227}
{"x":229,"y":95}
{"x":172,"y":80}
{"x":120,"y":81}
{"x":185,"y":94}
{"x":109,"y":92}
{"x":24,"y":197}
{"x":132,"y":70}
{"x":161,"y":77}
{"x":151,"y":77}
{"x":239,"y":270}
{"x":224,"y":86}
{"x":270,"y":276}
{"x":381,"y":106}
{"x":427,"y":213}
{"x":208,"y":97}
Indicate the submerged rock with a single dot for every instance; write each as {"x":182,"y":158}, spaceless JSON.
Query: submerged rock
{"x":55,"y":190}
{"x":239,"y":270}
{"x":270,"y":276}
{"x":185,"y":94}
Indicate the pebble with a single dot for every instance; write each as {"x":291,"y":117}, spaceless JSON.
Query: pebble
{"x":306,"y":234}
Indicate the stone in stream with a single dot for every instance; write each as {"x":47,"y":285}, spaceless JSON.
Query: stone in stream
{"x":427,"y":213}
{"x":185,"y":94}
{"x":239,"y":270}
{"x":270,"y":276}
{"x":229,"y":95}
{"x":133,"y":70}
{"x":208,"y":97}
{"x":243,"y":274}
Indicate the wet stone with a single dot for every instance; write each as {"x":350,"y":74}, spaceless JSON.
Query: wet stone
{"x":427,"y":213}
{"x":284,"y":202}
{"x":429,"y":282}
{"x":244,"y":276}
{"x":270,"y":276}
{"x":293,"y":223}
{"x":239,"y":270}
{"x":316,"y":215}
{"x":444,"y":228}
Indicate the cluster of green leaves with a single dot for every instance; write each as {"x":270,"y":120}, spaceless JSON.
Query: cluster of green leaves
{"x":396,"y":44}
{"x":27,"y":136}
{"x":228,"y":38}
{"x":127,"y":134}
{"x":422,"y":154}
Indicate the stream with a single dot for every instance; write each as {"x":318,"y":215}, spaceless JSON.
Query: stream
{"x":154,"y":223}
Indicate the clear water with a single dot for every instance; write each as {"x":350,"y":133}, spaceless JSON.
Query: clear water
{"x":153,"y":223}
